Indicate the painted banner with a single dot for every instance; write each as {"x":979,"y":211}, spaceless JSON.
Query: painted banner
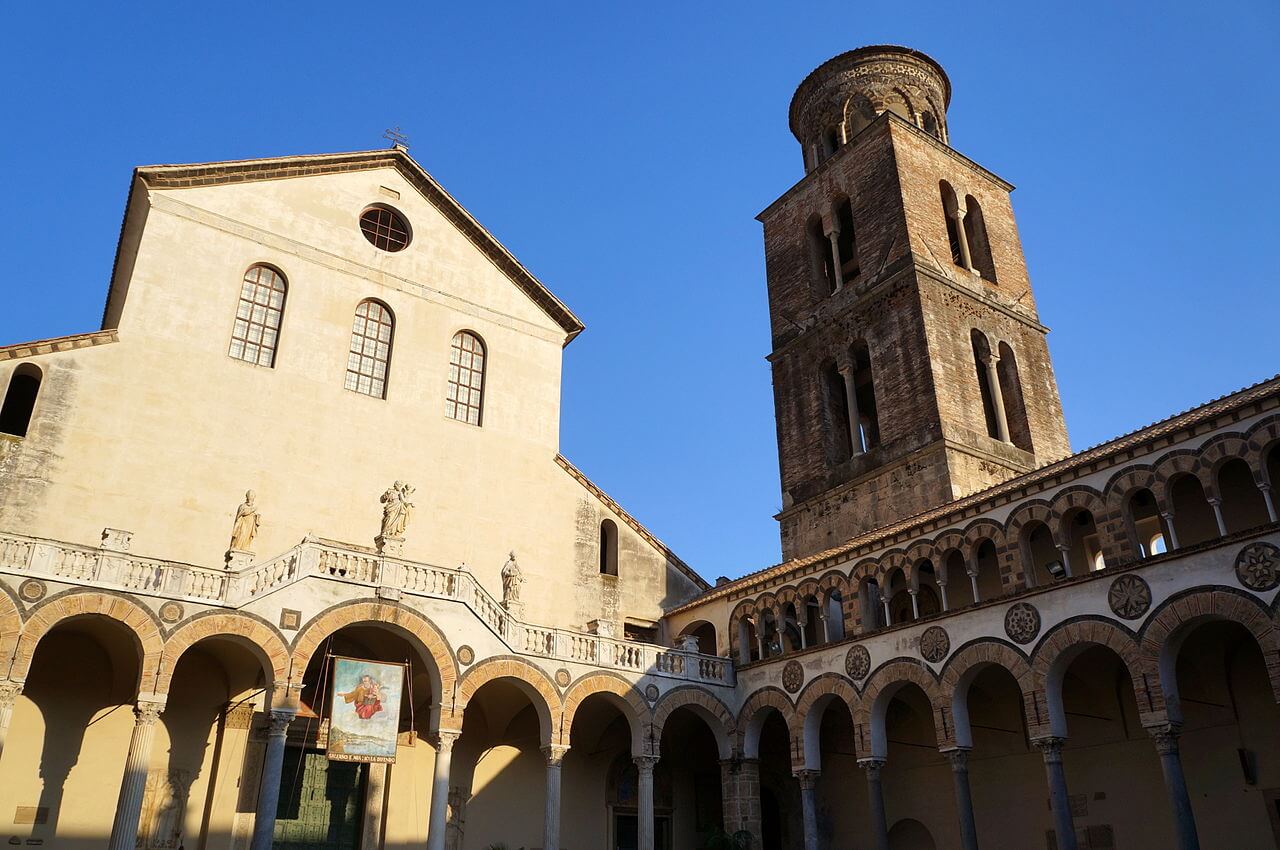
{"x":364,"y":712}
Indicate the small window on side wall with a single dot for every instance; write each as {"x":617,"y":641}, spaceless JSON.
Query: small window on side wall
{"x":369,"y":358}
{"x":20,"y":400}
{"x":608,"y":548}
{"x":465,"y":399}
{"x":258,"y":315}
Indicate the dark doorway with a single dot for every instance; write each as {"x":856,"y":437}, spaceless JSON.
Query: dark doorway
{"x":321,"y":803}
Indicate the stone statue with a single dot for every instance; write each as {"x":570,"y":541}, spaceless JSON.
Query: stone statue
{"x":245,"y":527}
{"x":511,"y":581}
{"x":396,"y":510}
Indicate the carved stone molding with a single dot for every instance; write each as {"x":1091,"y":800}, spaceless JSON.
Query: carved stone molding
{"x":792,"y":676}
{"x":1258,"y":566}
{"x":934,"y":644}
{"x":857,"y":662}
{"x":1022,"y":622}
{"x":1129,"y":597}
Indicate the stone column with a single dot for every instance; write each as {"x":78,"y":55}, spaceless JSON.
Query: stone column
{"x":1063,"y":826}
{"x":1266,"y":497}
{"x":124,"y":830}
{"x":888,"y":619}
{"x":438,"y":822}
{"x":1216,"y":503}
{"x":834,"y":239}
{"x":1064,"y":552}
{"x":1184,"y":821}
{"x":644,"y":823}
{"x":875,"y":798}
{"x":1172,"y":542}
{"x":9,"y":691}
{"x":990,"y":360}
{"x":551,"y":820}
{"x":264,"y":822}
{"x":375,"y":796}
{"x":973,"y":580}
{"x":809,"y":806}
{"x":740,"y":792}
{"x":915,"y":602}
{"x":966,"y":259}
{"x":855,"y":418}
{"x":942,"y":589}
{"x":959,"y":758}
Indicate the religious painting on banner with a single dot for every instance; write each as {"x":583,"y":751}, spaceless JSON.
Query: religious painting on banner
{"x":364,"y":713}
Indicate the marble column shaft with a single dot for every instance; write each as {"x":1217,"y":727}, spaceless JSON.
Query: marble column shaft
{"x":124,"y":829}
{"x":438,"y":822}
{"x":264,"y":823}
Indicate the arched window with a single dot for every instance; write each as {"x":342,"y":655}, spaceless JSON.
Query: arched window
{"x":930,"y":124}
{"x":20,"y":400}
{"x":832,"y":140}
{"x":981,"y":359}
{"x":1145,"y":523}
{"x":257,"y":326}
{"x":839,"y":448}
{"x":1193,"y":518}
{"x":608,"y":548}
{"x":1015,"y":408}
{"x":846,"y":242}
{"x":1041,"y":560}
{"x":1084,"y":542}
{"x":975,"y":231}
{"x":465,"y":400}
{"x":950,"y":207}
{"x":370,"y":356}
{"x":820,"y":257}
{"x":865,"y":394}
{"x":1242,"y":504}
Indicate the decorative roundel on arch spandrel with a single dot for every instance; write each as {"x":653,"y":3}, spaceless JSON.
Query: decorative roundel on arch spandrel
{"x":32,"y":590}
{"x":466,"y":655}
{"x":792,"y":676}
{"x":1022,"y":622}
{"x":171,"y":612}
{"x":1129,"y":597}
{"x":651,"y":693}
{"x":1258,"y":566}
{"x":857,"y":662}
{"x":934,"y":644}
{"x":563,"y":678}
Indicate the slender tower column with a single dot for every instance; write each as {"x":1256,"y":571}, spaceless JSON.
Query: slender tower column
{"x":1217,"y":514}
{"x":1064,"y":552}
{"x":942,"y":588}
{"x":1266,"y":497}
{"x":973,"y":579}
{"x":855,"y":418}
{"x":1173,"y":532}
{"x":809,"y":806}
{"x":1184,"y":820}
{"x":1063,"y":826}
{"x":875,"y":797}
{"x":834,"y":238}
{"x":888,"y":619}
{"x":264,"y":822}
{"x":645,"y":766}
{"x":124,"y":830}
{"x":915,"y":602}
{"x":966,"y":259}
{"x":551,"y":822}
{"x":438,"y":822}
{"x":9,"y":691}
{"x":959,"y":758}
{"x":989,"y":362}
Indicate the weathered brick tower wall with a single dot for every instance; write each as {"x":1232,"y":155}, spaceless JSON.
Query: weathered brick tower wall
{"x":898,"y":288}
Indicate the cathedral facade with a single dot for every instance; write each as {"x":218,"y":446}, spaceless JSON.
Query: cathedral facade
{"x":289,"y":557}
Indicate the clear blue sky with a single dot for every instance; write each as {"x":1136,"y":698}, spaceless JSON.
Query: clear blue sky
{"x":622,"y":153}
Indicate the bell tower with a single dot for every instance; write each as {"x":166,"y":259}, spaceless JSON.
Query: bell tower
{"x":910,"y":367}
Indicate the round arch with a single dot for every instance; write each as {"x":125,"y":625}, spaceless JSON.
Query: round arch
{"x":812,"y":703}
{"x":535,"y":684}
{"x":753,"y":714}
{"x":879,"y":692}
{"x":702,"y":703}
{"x":10,"y":630}
{"x":622,"y":694}
{"x":264,"y":642}
{"x":964,"y":666}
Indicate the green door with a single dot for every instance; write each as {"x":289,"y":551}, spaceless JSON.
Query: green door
{"x":321,"y":802}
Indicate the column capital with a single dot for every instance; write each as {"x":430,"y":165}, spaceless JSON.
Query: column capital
{"x":444,"y":739}
{"x":555,"y":754}
{"x":278,"y":722}
{"x":645,"y":764}
{"x":990,"y":358}
{"x":959,"y":758}
{"x":872,"y":766}
{"x":9,"y":691}
{"x":808,"y":779}
{"x":148,"y":711}
{"x":1050,"y":747}
{"x":1263,"y":486}
{"x":1165,"y":736}
{"x":959,"y":213}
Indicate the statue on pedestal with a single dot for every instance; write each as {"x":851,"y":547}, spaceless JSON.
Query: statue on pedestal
{"x":397,"y":510}
{"x":511,"y":581}
{"x":246,"y":524}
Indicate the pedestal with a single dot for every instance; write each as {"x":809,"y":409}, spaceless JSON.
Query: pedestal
{"x":392,"y":546}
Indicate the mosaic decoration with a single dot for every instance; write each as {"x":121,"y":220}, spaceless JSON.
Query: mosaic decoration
{"x":1129,"y":597}
{"x":466,"y":655}
{"x":32,"y":590}
{"x":1258,"y":566}
{"x":364,"y":714}
{"x":934,"y":644}
{"x":651,"y":693}
{"x":857,"y":662}
{"x":792,"y":676}
{"x":1022,"y":622}
{"x":563,"y":678}
{"x":290,"y":619}
{"x":170,"y":612}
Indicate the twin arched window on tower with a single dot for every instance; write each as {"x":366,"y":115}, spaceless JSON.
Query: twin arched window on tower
{"x":853,"y":422}
{"x":1003,"y":406}
{"x":256,"y":334}
{"x":967,"y":233}
{"x":834,"y":255}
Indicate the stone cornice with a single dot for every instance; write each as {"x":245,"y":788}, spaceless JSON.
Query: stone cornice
{"x":20,"y":350}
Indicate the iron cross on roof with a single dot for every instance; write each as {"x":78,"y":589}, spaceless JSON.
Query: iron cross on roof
{"x":397,"y":137}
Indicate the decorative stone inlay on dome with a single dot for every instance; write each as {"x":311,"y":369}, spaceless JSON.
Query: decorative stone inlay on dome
{"x":857,"y":662}
{"x":1129,"y":597}
{"x":563,"y":678}
{"x":466,"y":655}
{"x":32,"y":590}
{"x":170,"y":612}
{"x":1022,"y":622}
{"x":792,"y":676}
{"x":934,"y":644}
{"x":1258,"y":566}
